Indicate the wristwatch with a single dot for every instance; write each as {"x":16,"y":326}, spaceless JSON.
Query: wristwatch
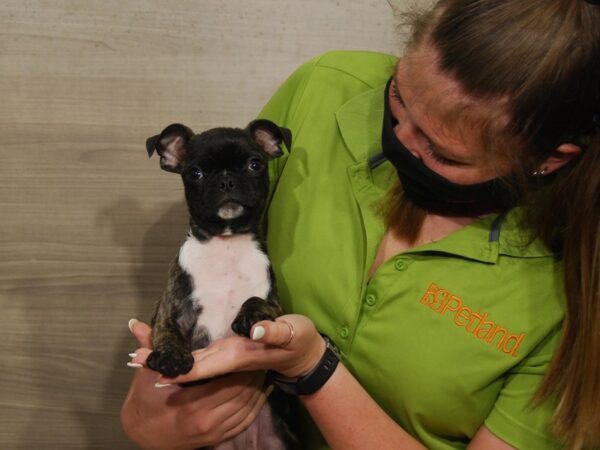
{"x":313,"y":380}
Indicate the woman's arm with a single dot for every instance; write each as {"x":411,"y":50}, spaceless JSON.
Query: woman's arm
{"x":172,"y":417}
{"x":344,"y":412}
{"x":350,"y":419}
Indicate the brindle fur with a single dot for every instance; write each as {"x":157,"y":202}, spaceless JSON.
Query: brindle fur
{"x":174,"y":331}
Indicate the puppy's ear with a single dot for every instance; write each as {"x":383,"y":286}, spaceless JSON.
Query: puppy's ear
{"x":269,"y":136}
{"x":170,"y":144}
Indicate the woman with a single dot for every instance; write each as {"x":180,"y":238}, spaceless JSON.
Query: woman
{"x":445,"y":297}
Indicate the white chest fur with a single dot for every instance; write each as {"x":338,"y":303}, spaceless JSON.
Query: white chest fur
{"x":225,"y":272}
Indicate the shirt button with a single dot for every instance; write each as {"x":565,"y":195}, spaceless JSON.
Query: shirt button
{"x":401,"y":264}
{"x":370,"y":300}
{"x":344,"y":332}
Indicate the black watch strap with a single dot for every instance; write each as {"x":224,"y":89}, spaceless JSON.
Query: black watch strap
{"x":313,"y":380}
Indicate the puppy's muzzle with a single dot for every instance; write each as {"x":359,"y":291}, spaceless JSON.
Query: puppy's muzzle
{"x":230,"y":210}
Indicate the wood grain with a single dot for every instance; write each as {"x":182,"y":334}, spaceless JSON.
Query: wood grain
{"x":88,"y":224}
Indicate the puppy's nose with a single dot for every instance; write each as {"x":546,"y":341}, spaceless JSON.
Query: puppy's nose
{"x":226,"y":184}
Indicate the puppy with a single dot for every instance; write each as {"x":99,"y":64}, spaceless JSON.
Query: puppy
{"x":221,"y":281}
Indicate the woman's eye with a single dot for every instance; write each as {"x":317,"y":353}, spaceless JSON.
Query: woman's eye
{"x":255,"y":165}
{"x":397,"y":95}
{"x":439,"y":158}
{"x":195,"y":173}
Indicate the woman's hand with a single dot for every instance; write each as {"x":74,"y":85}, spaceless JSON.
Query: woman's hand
{"x":290,"y":345}
{"x":173,"y":417}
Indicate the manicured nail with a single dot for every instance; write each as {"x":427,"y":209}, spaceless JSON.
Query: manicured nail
{"x":131,"y":324}
{"x":258,"y":333}
{"x":134,"y":365}
{"x":132,"y":355}
{"x":160,"y":385}
{"x":269,"y":390}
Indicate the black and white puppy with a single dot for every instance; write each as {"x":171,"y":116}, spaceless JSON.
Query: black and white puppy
{"x":221,"y":281}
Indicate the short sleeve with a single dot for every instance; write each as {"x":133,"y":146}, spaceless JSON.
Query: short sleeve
{"x":514,"y":418}
{"x":281,"y":109}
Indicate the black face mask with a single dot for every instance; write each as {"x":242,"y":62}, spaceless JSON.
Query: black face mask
{"x":431,"y":191}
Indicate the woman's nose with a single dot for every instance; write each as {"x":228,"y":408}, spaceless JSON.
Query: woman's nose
{"x":406,"y":136}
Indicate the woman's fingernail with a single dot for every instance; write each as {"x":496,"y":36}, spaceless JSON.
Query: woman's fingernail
{"x":132,"y":355}
{"x":131,"y":324}
{"x":258,"y":333}
{"x":161,"y":385}
{"x":269,"y":390}
{"x":134,"y":365}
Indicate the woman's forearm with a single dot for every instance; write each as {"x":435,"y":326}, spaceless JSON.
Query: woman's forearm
{"x":350,"y":419}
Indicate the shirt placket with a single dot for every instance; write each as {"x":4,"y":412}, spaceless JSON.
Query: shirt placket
{"x":367,"y":196}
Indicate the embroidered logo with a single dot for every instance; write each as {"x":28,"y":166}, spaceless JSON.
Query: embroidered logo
{"x":479,"y":325}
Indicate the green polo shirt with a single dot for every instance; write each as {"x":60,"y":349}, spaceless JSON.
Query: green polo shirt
{"x":445,"y":337}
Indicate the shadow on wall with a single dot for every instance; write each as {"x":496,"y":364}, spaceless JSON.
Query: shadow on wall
{"x":151,"y":241}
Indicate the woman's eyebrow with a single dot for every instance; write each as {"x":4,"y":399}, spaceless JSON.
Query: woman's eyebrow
{"x":401,"y":100}
{"x":436,"y":147}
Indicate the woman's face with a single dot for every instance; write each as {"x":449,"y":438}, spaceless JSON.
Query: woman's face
{"x":426,"y":104}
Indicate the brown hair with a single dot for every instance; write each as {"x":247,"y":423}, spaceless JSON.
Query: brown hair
{"x":402,"y":216}
{"x":543,"y":58}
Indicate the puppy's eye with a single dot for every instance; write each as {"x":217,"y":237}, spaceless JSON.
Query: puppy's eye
{"x":195,"y":173}
{"x":255,"y":165}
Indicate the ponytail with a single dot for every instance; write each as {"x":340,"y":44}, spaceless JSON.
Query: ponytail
{"x":574,"y":374}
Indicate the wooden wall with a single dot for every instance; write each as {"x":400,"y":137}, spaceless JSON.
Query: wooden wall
{"x":88,"y":224}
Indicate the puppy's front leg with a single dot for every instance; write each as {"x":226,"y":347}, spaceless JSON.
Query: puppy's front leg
{"x":254,"y":310}
{"x":172,"y":325}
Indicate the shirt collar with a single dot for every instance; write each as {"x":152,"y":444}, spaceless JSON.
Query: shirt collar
{"x":489,"y":238}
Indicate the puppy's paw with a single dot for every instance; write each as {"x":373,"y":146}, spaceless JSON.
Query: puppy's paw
{"x":253,"y":310}
{"x":170,"y":363}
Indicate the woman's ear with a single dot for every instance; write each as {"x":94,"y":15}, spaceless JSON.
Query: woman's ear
{"x":560,"y":156}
